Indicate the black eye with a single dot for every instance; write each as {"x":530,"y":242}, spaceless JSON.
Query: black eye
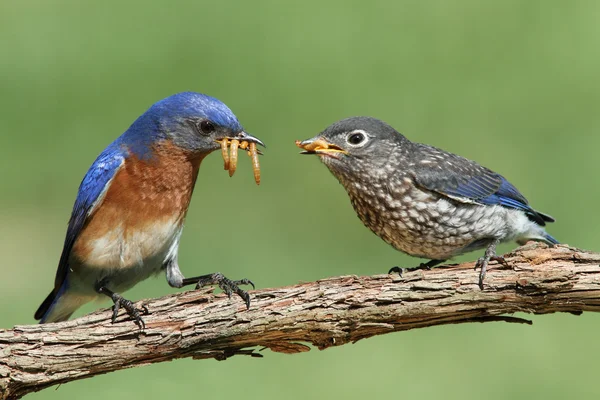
{"x":206,"y":127}
{"x":356,"y":138}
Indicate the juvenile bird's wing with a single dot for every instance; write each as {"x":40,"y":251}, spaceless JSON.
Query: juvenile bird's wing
{"x":464,"y":180}
{"x":90,"y":195}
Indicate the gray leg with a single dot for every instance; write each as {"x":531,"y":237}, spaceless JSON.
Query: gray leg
{"x":174,"y":275}
{"x":482,"y":262}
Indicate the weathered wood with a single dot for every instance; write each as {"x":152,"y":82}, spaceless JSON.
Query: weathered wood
{"x":329,"y":312}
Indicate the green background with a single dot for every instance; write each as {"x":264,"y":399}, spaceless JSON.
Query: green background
{"x":512,"y":84}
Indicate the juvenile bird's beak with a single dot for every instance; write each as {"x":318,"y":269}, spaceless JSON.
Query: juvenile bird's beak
{"x":319,"y":146}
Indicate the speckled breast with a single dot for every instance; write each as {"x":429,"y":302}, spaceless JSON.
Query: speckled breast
{"x":421,"y":223}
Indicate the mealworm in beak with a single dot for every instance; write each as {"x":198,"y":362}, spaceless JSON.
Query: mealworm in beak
{"x":255,"y":165}
{"x":225,"y":154}
{"x":233,"y":155}
{"x":229,"y":152}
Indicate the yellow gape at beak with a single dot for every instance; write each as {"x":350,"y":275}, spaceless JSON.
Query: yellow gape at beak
{"x":319,"y":146}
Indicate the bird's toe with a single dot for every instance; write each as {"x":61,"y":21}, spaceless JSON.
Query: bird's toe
{"x":129,"y":307}
{"x":500,"y":260}
{"x":397,"y":270}
{"x":227,"y":285}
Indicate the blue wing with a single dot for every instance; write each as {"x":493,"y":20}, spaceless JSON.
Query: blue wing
{"x":91,"y":190}
{"x":464,"y":180}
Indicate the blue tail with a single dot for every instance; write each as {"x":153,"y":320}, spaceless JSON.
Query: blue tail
{"x":59,"y":305}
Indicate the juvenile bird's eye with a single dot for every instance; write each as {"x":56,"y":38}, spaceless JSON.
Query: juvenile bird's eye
{"x":356,"y":138}
{"x":206,"y":127}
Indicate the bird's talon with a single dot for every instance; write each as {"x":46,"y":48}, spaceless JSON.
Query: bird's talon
{"x":478,"y":263}
{"x":227,"y":286}
{"x":481,"y":278}
{"x":500,"y":260}
{"x":482,"y":263}
{"x":140,"y":323}
{"x":244,"y":282}
{"x":120,"y":302}
{"x":115,"y":313}
{"x":396,"y":269}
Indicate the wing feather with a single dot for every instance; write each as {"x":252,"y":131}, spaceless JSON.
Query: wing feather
{"x":91,"y":193}
{"x":464,"y":180}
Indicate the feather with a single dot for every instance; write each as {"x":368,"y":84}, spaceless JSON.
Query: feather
{"x":90,"y":195}
{"x":464,"y":180}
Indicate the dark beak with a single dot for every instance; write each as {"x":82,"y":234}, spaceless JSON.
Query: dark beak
{"x":243,"y":136}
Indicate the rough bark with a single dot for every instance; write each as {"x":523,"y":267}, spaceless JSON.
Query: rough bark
{"x":329,"y":312}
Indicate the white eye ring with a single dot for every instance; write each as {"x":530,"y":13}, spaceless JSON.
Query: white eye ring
{"x":357,"y":138}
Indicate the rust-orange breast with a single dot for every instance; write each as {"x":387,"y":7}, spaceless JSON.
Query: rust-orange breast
{"x":142,"y":209}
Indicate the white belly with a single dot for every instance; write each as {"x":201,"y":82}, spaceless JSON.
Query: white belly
{"x":124,"y":257}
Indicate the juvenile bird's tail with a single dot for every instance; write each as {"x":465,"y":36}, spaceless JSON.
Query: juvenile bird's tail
{"x":545,"y":217}
{"x":550,"y":239}
{"x":59,"y":305}
{"x":542,"y":236}
{"x":545,"y":236}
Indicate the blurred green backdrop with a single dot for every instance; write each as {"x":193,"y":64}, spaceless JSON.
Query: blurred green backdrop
{"x":511,"y":84}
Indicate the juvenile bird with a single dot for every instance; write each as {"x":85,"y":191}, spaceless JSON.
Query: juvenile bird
{"x":424,"y":201}
{"x":129,"y":212}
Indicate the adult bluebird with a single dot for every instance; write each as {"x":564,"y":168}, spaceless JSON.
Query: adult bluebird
{"x":129,"y":212}
{"x":424,"y":201}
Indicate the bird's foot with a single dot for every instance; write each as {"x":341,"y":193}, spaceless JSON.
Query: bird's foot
{"x":428,"y":265}
{"x":500,"y":260}
{"x":227,"y":285}
{"x":121,"y":302}
{"x":482,"y":262}
{"x":134,"y":313}
{"x":398,"y":270}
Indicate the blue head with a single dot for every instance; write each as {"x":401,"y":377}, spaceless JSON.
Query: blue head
{"x":193,"y":121}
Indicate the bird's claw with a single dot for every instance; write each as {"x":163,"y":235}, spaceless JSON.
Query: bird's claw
{"x":245,"y":282}
{"x":227,"y":285}
{"x":428,"y":265}
{"x":129,"y":307}
{"x":500,"y":260}
{"x":424,"y":266}
{"x":482,"y":262}
{"x":397,"y":269}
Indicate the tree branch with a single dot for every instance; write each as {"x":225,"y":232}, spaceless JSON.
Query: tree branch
{"x":329,"y":312}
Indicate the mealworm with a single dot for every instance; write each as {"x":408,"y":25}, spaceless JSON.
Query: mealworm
{"x":233,"y":155}
{"x":243,"y":145}
{"x":255,"y":165}
{"x":225,"y":154}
